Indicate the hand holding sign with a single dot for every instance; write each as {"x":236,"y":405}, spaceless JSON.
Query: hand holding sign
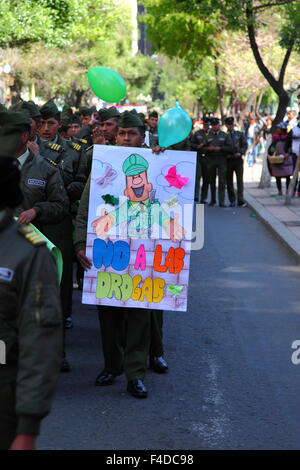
{"x":174,"y":230}
{"x":102,"y":225}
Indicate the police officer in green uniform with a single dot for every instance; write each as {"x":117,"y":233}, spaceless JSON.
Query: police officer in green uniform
{"x":30,"y":313}
{"x":132,"y":353}
{"x":68,"y":157}
{"x":217,"y":146}
{"x":45,"y":201}
{"x":235,"y":163}
{"x":198,"y":140}
{"x":153,"y":132}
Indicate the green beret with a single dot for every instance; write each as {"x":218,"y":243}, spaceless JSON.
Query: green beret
{"x":15,"y":118}
{"x":134,"y":165}
{"x":31,"y":107}
{"x":130,"y":119}
{"x":49,"y":109}
{"x":9,"y":141}
{"x":108,"y":113}
{"x":84,"y":111}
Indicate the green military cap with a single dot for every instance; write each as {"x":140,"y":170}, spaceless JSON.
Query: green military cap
{"x":76,"y":119}
{"x":229,"y":120}
{"x":142,"y":117}
{"x":49,"y":109}
{"x":130,"y":119}
{"x":85,"y":111}
{"x":134,"y":165}
{"x":16,"y":118}
{"x":31,"y":107}
{"x":66,"y":112}
{"x":108,"y":113}
{"x":9,"y":141}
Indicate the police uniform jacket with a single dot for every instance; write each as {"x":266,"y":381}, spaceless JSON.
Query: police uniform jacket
{"x":239,"y":143}
{"x":197,"y":138}
{"x":43,"y":190}
{"x":67,"y":155}
{"x":30,"y":321}
{"x":218,"y":139}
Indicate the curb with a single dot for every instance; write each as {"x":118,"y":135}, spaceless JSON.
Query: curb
{"x":278,"y":228}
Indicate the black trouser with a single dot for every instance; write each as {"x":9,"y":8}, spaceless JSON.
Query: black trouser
{"x":217,"y":165}
{"x":156,"y":341}
{"x":205,"y":179}
{"x":125,"y":334}
{"x":278,"y":182}
{"x":61,"y":235}
{"x":8,"y":417}
{"x":235,"y":165}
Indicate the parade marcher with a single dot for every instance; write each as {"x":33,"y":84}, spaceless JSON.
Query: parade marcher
{"x":284,"y":169}
{"x":235,"y":163}
{"x":217,"y":146}
{"x":152,"y":122}
{"x":108,"y":120}
{"x":30,"y":313}
{"x":129,"y":354}
{"x":198,"y":140}
{"x":45,"y":201}
{"x":68,"y":157}
{"x":75,"y":125}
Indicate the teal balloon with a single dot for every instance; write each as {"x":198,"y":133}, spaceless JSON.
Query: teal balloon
{"x":174,"y":126}
{"x":107,"y":84}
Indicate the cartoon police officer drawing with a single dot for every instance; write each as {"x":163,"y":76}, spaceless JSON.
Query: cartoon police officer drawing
{"x":141,"y":210}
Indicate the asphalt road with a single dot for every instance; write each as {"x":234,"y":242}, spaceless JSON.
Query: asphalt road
{"x":231,"y":383}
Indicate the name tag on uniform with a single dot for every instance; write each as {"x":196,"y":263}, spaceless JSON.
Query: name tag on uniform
{"x":222,"y":138}
{"x":6,"y":274}
{"x":37,"y":182}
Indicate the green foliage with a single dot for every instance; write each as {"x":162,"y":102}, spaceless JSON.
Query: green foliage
{"x":27,"y":21}
{"x":179,"y":29}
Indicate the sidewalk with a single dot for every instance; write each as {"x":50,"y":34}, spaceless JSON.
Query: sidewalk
{"x":283,"y":220}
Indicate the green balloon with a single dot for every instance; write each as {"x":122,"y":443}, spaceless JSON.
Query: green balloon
{"x":107,"y":84}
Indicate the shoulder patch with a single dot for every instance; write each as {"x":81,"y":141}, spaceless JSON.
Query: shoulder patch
{"x":51,"y":161}
{"x":84,"y":141}
{"x":55,"y":147}
{"x":31,"y":235}
{"x":76,"y":146}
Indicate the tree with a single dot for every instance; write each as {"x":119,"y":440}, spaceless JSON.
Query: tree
{"x":193,"y":18}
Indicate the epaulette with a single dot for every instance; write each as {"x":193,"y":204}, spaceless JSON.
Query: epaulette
{"x":75,"y":146}
{"x":51,"y":161}
{"x":31,"y":235}
{"x":84,"y":141}
{"x":89,"y":148}
{"x":56,"y":147}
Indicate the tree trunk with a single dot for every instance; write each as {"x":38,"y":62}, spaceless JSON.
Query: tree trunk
{"x":265,"y":178}
{"x":284,"y":101}
{"x":277,"y":85}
